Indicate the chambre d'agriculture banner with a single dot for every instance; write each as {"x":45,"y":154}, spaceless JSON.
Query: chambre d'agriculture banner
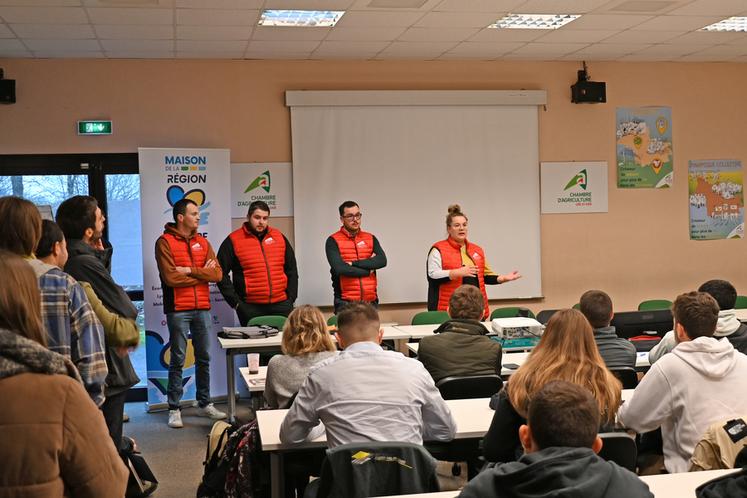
{"x":166,"y":176}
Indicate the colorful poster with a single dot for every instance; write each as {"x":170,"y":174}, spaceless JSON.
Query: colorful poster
{"x":644,"y":147}
{"x":574,"y":187}
{"x":269,"y":182}
{"x":166,"y":176}
{"x":716,"y":200}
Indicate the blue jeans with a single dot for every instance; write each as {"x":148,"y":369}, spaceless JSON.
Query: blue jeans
{"x":180,"y":323}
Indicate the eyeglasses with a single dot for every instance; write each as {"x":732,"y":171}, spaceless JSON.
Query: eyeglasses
{"x":356,"y":216}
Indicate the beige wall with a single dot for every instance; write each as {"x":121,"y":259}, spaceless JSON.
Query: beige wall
{"x":639,"y":250}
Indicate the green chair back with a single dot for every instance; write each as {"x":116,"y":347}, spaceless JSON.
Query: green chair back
{"x":332,"y":321}
{"x":277,"y":321}
{"x":510,"y":312}
{"x":741,"y":302}
{"x":655,"y":304}
{"x":577,"y":306}
{"x":430,"y":317}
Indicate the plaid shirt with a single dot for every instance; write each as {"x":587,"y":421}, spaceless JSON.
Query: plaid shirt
{"x":73,"y":329}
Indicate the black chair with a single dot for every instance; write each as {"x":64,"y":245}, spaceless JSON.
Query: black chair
{"x":619,"y":447}
{"x":470,"y":387}
{"x":626,"y":375}
{"x":544,"y":315}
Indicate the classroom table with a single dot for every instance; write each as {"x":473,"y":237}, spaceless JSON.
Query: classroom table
{"x":254,"y":382}
{"x":422,"y":331}
{"x":741,"y":314}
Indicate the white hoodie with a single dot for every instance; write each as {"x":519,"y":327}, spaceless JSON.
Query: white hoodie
{"x":702,"y":382}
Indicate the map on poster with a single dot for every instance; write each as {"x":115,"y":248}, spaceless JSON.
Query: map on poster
{"x":716,"y":200}
{"x":644,"y":147}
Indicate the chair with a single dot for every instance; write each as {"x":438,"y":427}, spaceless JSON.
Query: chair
{"x":510,"y":312}
{"x":277,"y":321}
{"x":544,"y":316}
{"x":655,"y":304}
{"x":627,"y":376}
{"x":332,"y":321}
{"x":469,"y":387}
{"x":577,"y":306}
{"x":619,"y":447}
{"x":359,"y":470}
{"x":741,"y":302}
{"x":430,"y":318}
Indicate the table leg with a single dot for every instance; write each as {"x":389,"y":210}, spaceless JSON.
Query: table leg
{"x":231,"y":380}
{"x":277,"y":484}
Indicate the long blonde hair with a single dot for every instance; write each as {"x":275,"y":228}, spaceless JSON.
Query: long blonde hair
{"x":305,"y":331}
{"x":566,"y":351}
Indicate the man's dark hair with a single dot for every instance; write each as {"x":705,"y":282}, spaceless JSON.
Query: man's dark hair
{"x":50,"y":235}
{"x":563,"y":414}
{"x":180,"y":207}
{"x":77,"y":214}
{"x":358,"y":316}
{"x":467,"y":303}
{"x":20,"y":225}
{"x":346,"y":205}
{"x":697,"y":312}
{"x":596,"y":307}
{"x":261,"y":205}
{"x":722,"y":291}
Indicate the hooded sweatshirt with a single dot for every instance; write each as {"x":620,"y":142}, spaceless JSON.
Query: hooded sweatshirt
{"x":557,"y":471}
{"x":702,"y":382}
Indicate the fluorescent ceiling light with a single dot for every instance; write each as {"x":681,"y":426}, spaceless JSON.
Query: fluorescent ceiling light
{"x":303,"y":18}
{"x":731,"y":24}
{"x":534,"y":21}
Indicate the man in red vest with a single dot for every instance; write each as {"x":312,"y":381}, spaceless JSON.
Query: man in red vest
{"x":263,"y":268}
{"x":186,"y":263}
{"x":354,"y":256}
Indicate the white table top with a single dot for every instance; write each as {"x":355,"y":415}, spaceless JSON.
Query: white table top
{"x":255,"y":382}
{"x":742,"y":314}
{"x":390,"y":333}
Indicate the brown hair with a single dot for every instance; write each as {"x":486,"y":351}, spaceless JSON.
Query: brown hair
{"x":20,"y":300}
{"x":697,"y":312}
{"x":454,"y":211}
{"x":566,"y":351}
{"x":466,"y":302}
{"x":76,"y":215}
{"x":305,"y":331}
{"x":563,"y":414}
{"x":20,"y":225}
{"x":358,"y":321}
{"x":596,"y":307}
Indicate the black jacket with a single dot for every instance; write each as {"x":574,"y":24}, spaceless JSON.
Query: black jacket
{"x":93,"y":266}
{"x":557,"y":472}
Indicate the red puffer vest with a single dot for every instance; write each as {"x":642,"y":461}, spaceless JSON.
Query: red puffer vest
{"x":192,"y":253}
{"x":451,"y":259}
{"x":354,"y":248}
{"x":262,"y":263}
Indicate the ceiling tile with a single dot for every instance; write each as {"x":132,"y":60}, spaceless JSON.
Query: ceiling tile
{"x":260,"y":55}
{"x":308,"y":4}
{"x":11,"y":44}
{"x":575,"y":36}
{"x":493,"y":6}
{"x":219,"y":4}
{"x":437,"y":34}
{"x":210,"y":55}
{"x":5,"y":32}
{"x":399,"y":5}
{"x":508,"y":35}
{"x":289,"y":33}
{"x":490,"y":50}
{"x":210,"y":45}
{"x":139,"y":55}
{"x":43,"y":15}
{"x":361,"y":49}
{"x":457,"y":20}
{"x":729,"y":51}
{"x":647,"y":57}
{"x":676,"y":23}
{"x":666,"y":50}
{"x":611,"y":49}
{"x":608,"y":21}
{"x":40,"y":3}
{"x":708,"y":37}
{"x":365,"y":34}
{"x":548,"y":49}
{"x":217,"y":17}
{"x":142,"y":4}
{"x":358,"y":19}
{"x":642,"y":36}
{"x":70,"y":31}
{"x":283,"y":46}
{"x":725,"y":8}
{"x":213,"y":32}
{"x":60,"y":45}
{"x":134,"y":32}
{"x":425,"y":50}
{"x":116,"y":15}
{"x":67,"y":54}
{"x":137,"y":45}
{"x":559,"y":7}
{"x":15,"y":54}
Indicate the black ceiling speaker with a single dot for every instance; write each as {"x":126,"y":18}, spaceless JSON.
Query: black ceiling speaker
{"x":588,"y":92}
{"x":7,"y":90}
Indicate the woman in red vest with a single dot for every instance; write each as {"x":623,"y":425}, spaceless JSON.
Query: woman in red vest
{"x":456,"y":261}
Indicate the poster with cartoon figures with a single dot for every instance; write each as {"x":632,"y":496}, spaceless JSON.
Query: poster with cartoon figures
{"x":644,"y":147}
{"x":166,"y":176}
{"x":716,"y":199}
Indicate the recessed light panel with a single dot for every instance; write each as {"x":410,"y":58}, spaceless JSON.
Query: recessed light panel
{"x":300,"y":18}
{"x":731,"y":24}
{"x":534,"y":21}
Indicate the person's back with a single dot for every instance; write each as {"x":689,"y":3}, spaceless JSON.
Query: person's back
{"x":616,"y":352}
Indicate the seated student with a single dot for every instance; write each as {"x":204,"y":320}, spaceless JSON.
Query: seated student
{"x":702,"y":382}
{"x":728,"y":326}
{"x":366,"y":393}
{"x":560,"y":453}
{"x":566,"y":352}
{"x":54,"y":439}
{"x":460,"y":347}
{"x":615,"y":351}
{"x":306,"y":342}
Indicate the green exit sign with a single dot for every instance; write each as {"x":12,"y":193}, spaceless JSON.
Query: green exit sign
{"x":94,"y":127}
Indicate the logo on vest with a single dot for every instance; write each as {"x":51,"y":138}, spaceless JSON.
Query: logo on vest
{"x":269,"y":240}
{"x":361,"y":243}
{"x":475,"y":256}
{"x":196,"y":246}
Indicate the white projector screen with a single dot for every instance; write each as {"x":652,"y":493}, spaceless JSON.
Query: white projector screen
{"x":404,"y":164}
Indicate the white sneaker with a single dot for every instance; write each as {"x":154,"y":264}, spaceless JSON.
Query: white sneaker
{"x":210,"y":411}
{"x":175,"y":419}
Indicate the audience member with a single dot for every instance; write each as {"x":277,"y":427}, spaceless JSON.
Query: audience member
{"x":305,"y":343}
{"x":560,"y":453}
{"x":366,"y":393}
{"x":615,"y":351}
{"x":566,"y":352}
{"x":71,"y":324}
{"x":697,"y":385}
{"x":727,"y":326}
{"x":54,"y":440}
{"x":459,"y":346}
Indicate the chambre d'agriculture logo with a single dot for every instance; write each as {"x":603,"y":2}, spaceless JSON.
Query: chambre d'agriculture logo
{"x":578,"y":199}
{"x":262,"y":181}
{"x":580,"y":179}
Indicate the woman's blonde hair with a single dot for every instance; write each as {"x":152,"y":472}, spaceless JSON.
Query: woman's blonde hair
{"x":305,"y":331}
{"x":454,"y":211}
{"x":20,"y":300}
{"x":566,"y":351}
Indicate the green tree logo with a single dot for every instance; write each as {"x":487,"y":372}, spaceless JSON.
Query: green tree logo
{"x":262,"y":181}
{"x":579,"y":179}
